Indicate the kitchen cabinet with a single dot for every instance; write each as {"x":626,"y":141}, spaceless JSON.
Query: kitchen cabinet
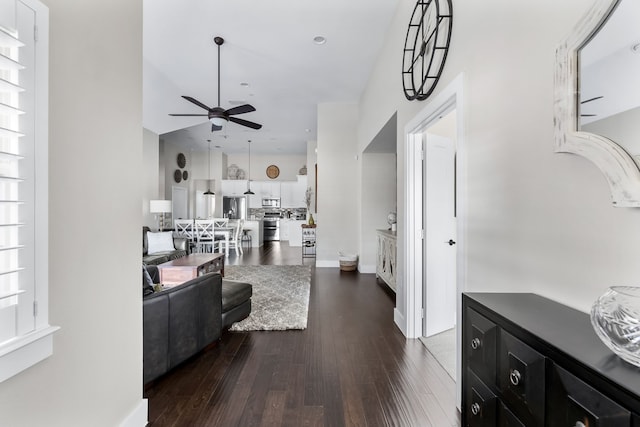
{"x":233,"y":187}
{"x":255,"y":200}
{"x":270,"y":189}
{"x":284,"y":229}
{"x":386,"y":257}
{"x":292,"y":193}
{"x":527,"y":360}
{"x":295,"y":232}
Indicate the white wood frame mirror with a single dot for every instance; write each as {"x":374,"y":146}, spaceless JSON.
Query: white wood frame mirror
{"x":619,"y":168}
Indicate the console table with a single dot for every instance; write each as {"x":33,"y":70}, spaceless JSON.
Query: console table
{"x":386,"y":257}
{"x":189,"y":267}
{"x":529,"y":361}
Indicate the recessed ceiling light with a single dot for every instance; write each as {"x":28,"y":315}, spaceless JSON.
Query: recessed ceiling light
{"x":244,"y":84}
{"x":319,"y":40}
{"x":218,"y":146}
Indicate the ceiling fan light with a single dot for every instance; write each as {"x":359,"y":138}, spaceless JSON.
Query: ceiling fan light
{"x":218,"y":121}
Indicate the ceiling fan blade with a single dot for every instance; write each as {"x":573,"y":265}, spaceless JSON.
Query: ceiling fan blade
{"x":195,"y":101}
{"x":591,"y":99}
{"x":240,"y":109}
{"x":215,"y":127}
{"x":588,"y":115}
{"x":246,"y":123}
{"x":189,"y":115}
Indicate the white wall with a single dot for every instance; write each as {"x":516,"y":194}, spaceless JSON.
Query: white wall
{"x":289,"y":165}
{"x":150,"y":175}
{"x":378,"y":199}
{"x":537,"y":221}
{"x":95,"y":374}
{"x":338,"y":183}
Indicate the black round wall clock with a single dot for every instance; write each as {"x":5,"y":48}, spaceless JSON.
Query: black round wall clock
{"x":425,"y":48}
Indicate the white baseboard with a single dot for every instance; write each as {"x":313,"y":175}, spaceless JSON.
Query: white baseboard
{"x":327,"y":264}
{"x":367,"y":269}
{"x":139,"y":417}
{"x":400,"y":322}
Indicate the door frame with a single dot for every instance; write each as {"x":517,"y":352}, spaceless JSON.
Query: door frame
{"x":410,"y":322}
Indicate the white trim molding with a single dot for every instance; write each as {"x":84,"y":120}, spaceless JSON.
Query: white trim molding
{"x":139,"y":417}
{"x":620,"y":170}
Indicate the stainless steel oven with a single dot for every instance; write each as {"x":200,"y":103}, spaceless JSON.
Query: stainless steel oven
{"x":271,"y":222}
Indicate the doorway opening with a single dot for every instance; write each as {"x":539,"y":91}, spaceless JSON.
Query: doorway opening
{"x":415,"y":316}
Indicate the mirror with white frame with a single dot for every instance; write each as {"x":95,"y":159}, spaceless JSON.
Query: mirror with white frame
{"x":597,"y":95}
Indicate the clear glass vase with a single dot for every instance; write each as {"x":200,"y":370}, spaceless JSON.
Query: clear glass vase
{"x":615,"y":317}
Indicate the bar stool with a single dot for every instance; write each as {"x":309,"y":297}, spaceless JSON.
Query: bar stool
{"x":246,"y":237}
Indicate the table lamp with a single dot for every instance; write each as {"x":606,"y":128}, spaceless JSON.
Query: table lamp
{"x":160,"y":207}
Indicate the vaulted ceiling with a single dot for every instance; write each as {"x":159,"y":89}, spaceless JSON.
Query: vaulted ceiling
{"x":269,"y":60}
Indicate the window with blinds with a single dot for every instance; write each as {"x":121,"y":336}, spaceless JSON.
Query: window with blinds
{"x":25,"y":335}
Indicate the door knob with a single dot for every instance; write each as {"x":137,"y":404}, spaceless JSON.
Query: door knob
{"x":451,"y":242}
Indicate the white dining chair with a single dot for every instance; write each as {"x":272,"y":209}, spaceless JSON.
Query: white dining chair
{"x":220,"y":222}
{"x":184,"y":228}
{"x":235,"y":241}
{"x":205,"y":238}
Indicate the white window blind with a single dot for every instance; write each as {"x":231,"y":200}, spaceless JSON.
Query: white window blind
{"x":24,"y":329}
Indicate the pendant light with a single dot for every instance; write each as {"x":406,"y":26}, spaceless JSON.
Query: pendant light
{"x":249,"y":177}
{"x":209,"y":192}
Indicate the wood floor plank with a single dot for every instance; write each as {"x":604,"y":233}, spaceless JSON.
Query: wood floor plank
{"x":350,"y":367}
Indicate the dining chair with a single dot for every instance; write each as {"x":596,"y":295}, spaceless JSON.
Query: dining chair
{"x":184,"y":228}
{"x":220,"y":222}
{"x":235,"y":241}
{"x":204,"y":229}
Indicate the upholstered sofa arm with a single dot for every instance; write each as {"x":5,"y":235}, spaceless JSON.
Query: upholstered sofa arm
{"x":181,"y":243}
{"x":179,"y":322}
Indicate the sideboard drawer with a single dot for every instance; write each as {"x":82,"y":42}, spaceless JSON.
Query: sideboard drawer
{"x":506,"y":418}
{"x":521,"y":379}
{"x":481,"y":336}
{"x":570,"y":401}
{"x":481,"y":406}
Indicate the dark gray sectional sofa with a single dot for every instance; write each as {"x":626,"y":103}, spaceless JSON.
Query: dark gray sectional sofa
{"x":182,"y":320}
{"x":181,"y":245}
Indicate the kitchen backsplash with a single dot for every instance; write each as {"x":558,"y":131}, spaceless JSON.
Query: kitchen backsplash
{"x":258,"y":213}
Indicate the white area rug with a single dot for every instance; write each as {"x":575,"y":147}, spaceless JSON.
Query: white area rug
{"x":280,"y":296}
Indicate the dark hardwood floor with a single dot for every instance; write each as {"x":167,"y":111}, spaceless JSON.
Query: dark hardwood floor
{"x":350,"y":367}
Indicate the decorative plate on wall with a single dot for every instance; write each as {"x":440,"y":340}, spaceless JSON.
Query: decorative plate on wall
{"x":177,"y":175}
{"x":182,"y":160}
{"x":185,"y":175}
{"x":273,"y":171}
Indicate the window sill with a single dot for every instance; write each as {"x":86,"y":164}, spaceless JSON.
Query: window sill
{"x":25,"y":351}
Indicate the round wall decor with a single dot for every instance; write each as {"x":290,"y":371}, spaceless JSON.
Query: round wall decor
{"x":425,"y":47}
{"x":185,"y":175}
{"x":273,"y":171}
{"x":177,"y":175}
{"x":182,"y":160}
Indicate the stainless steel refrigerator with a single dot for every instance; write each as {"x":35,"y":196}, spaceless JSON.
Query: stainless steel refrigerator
{"x":234,"y":207}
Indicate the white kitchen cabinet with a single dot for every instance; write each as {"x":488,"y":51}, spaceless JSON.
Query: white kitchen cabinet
{"x":284,"y":229}
{"x":295,"y":232}
{"x":255,"y":200}
{"x":293,"y":192}
{"x":270,"y":189}
{"x":233,"y":187}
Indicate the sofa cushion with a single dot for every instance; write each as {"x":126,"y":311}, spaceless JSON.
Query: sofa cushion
{"x":147,"y":282}
{"x":160,"y":242}
{"x":155,"y":259}
{"x":235,"y":293}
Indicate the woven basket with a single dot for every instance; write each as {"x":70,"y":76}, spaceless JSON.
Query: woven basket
{"x":348,"y":265}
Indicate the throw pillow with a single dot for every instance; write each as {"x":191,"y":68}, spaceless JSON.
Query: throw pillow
{"x":147,"y":283}
{"x":160,"y":242}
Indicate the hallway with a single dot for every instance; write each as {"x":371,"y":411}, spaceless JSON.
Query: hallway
{"x":351,"y":366}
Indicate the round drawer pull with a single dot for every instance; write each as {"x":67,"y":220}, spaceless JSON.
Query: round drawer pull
{"x":475,"y":409}
{"x":515,"y":377}
{"x":475,"y":343}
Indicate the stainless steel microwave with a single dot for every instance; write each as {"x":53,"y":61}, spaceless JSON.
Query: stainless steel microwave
{"x":270,"y":202}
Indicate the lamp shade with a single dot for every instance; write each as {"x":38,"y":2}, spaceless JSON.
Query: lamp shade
{"x":160,"y":206}
{"x":218,"y":121}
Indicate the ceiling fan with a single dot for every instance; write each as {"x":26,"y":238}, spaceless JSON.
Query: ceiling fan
{"x":218,"y":116}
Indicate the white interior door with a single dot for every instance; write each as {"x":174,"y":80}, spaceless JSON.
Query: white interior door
{"x":439,"y":267}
